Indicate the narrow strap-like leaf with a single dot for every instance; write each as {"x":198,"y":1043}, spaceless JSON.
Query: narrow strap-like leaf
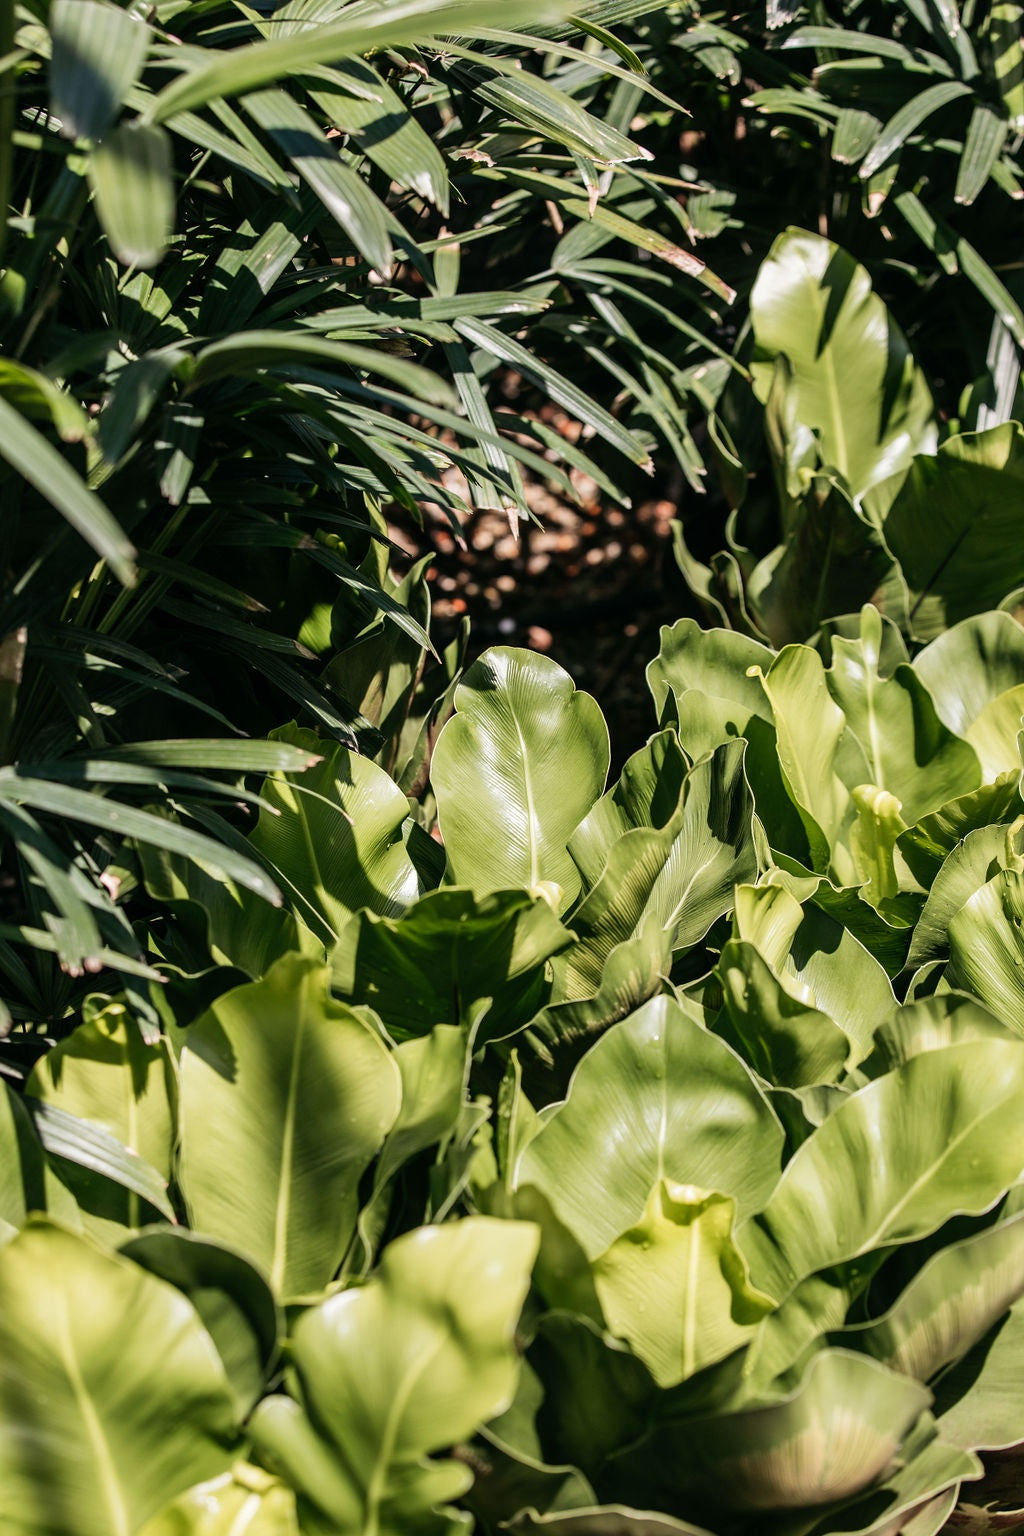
{"x":986,"y":135}
{"x":130,"y":175}
{"x":98,"y":53}
{"x":128,"y":821}
{"x":903,"y":123}
{"x":38,"y":462}
{"x":92,"y":1146}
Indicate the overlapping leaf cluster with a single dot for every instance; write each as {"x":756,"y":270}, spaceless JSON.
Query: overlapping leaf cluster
{"x":633,"y":1057}
{"x":259,"y":269}
{"x":891,"y":127}
{"x":475,"y":1145}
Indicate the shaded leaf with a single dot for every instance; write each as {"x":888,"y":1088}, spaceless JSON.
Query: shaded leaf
{"x":111,"y":1392}
{"x":856,"y":385}
{"x":130,"y":173}
{"x":677,"y":876}
{"x":232,"y":1299}
{"x":655,"y":1097}
{"x":675,"y":1286}
{"x":937,"y":1137}
{"x":98,"y":54}
{"x":836,"y":1433}
{"x":438,"y":962}
{"x":409,"y":1363}
{"x":961,"y":1293}
{"x":954,"y":530}
{"x":31,"y":456}
{"x":285,"y":1098}
{"x":335,"y":836}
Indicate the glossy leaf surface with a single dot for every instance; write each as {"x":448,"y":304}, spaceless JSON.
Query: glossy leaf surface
{"x":113,"y":1396}
{"x":285,"y":1098}
{"x":411,"y":1362}
{"x":656,"y":1097}
{"x":936,"y":1137}
{"x":337,"y":837}
{"x":675,"y":1286}
{"x":857,"y":387}
{"x":515,"y":772}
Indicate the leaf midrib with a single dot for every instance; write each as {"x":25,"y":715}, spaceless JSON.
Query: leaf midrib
{"x":528,"y":792}
{"x":832,"y":390}
{"x":377,"y":1481}
{"x":921,"y":1181}
{"x":282,"y":1209}
{"x":117,"y":1513}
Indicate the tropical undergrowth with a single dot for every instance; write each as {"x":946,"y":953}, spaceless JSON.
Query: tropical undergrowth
{"x":401,"y":1128}
{"x":647,"y":1160}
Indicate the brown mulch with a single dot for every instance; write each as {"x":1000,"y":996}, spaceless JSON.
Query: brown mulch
{"x":589,"y":585}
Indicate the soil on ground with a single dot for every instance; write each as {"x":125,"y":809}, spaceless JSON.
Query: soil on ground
{"x":590,"y":585}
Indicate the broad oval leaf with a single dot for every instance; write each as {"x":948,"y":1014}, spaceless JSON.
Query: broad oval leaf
{"x":972,"y":863}
{"x":927,"y":845}
{"x":941,"y":1135}
{"x":953,"y":527}
{"x":810,"y":734}
{"x":334,"y":834}
{"x":597,"y":1394}
{"x":819,"y":961}
{"x":647,"y":794}
{"x":791,"y":1044}
{"x":437,"y":962}
{"x":433,"y":1071}
{"x":243,"y":1502}
{"x":656,"y":1097}
{"x":855,"y":383}
{"x":232,"y":1299}
{"x":960,"y":1294}
{"x":239,"y":929}
{"x":27,"y":1182}
{"x":978,"y":1402}
{"x":675,"y":1286}
{"x":677,"y":875}
{"x":515,"y":772}
{"x":969,"y":665}
{"x":411,"y":1362}
{"x":632,"y":972}
{"x":701,"y":681}
{"x":930,"y":1024}
{"x":285,"y":1099}
{"x":112,"y":1397}
{"x":986,"y":948}
{"x":102,"y":1109}
{"x":907,"y":748}
{"x":97,"y":1167}
{"x":838,"y":1432}
{"x":995,"y":734}
{"x":912,"y":1499}
{"x":105,"y":1071}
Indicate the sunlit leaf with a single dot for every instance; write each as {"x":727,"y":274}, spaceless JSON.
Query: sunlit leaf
{"x":655,"y":1097}
{"x":285,"y":1098}
{"x":111,"y":1392}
